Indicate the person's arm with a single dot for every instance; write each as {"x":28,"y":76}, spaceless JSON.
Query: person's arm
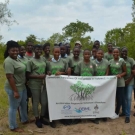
{"x":124,"y":70}
{"x":12,"y":84}
{"x":77,"y":70}
{"x":131,"y":76}
{"x":107,"y":71}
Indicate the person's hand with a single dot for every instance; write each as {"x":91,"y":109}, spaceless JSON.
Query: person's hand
{"x":118,"y":76}
{"x":16,"y":95}
{"x":58,"y":73}
{"x":69,"y":71}
{"x":127,"y":82}
{"x":49,"y":73}
{"x":133,"y":72}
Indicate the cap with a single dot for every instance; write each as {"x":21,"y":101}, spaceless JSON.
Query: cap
{"x":78,"y":42}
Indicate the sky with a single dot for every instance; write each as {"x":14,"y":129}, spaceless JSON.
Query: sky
{"x":45,"y":17}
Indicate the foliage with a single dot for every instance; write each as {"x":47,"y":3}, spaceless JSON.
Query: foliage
{"x":133,"y":8}
{"x":32,"y":38}
{"x":82,"y":91}
{"x":21,"y":42}
{"x":77,"y":31}
{"x":5,"y":15}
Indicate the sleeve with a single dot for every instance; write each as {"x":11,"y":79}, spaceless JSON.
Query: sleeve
{"x":94,"y":68}
{"x":70,"y":63}
{"x":77,"y":69}
{"x":66,"y":65}
{"x":28,"y":66}
{"x":109,"y":62}
{"x":132,"y":62}
{"x":123,"y":63}
{"x":8,"y":67}
{"x":47,"y":66}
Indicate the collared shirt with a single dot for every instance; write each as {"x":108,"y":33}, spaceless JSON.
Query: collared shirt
{"x":53,"y":60}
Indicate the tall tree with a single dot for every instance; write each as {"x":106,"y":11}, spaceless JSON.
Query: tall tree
{"x":5,"y":15}
{"x":32,"y":38}
{"x":133,"y":8}
{"x":77,"y":31}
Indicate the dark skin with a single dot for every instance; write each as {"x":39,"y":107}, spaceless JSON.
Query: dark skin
{"x":76,"y":53}
{"x":29,"y":47}
{"x":22,"y":51}
{"x":110,"y":48}
{"x":38,"y":52}
{"x":97,"y":44}
{"x":47,"y":51}
{"x":63,"y":50}
{"x":56,"y":54}
{"x":116,"y":55}
{"x":99,"y":56}
{"x":124,"y":54}
{"x":13,"y":53}
{"x":68,"y":49}
{"x":86,"y":56}
{"x":94,"y":51}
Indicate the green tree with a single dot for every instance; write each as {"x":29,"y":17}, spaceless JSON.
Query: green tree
{"x":77,"y":31}
{"x":133,"y":8}
{"x":115,"y":36}
{"x":5,"y":15}
{"x":32,"y":38}
{"x":21,"y":43}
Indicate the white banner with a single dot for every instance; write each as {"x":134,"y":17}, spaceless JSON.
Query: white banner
{"x":75,"y":97}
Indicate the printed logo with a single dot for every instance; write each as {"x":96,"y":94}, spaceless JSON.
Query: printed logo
{"x":66,"y":107}
{"x":82,"y":109}
{"x":96,"y":109}
{"x":82,"y":91}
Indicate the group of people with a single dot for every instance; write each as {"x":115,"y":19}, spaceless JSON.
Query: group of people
{"x":26,"y":69}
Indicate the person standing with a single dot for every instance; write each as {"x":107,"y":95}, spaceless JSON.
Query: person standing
{"x":36,"y":72}
{"x":15,"y":85}
{"x":79,"y":44}
{"x":29,"y":50}
{"x":117,"y":67}
{"x":109,"y":55}
{"x":129,"y":82}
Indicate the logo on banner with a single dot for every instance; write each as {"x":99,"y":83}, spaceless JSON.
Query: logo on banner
{"x":96,"y":109}
{"x":82,"y":109}
{"x":66,"y":107}
{"x":82,"y":91}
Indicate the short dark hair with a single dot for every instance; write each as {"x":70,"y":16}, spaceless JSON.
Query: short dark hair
{"x":45,"y":45}
{"x":86,"y":50}
{"x":37,"y":46}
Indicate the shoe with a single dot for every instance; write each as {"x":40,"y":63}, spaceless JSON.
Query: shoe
{"x":38,"y":123}
{"x":127,"y":120}
{"x":43,"y":121}
{"x":53,"y":124}
{"x":96,"y":121}
{"x":115,"y":116}
{"x":122,"y":114}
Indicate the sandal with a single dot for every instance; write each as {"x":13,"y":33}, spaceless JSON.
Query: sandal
{"x":19,"y":130}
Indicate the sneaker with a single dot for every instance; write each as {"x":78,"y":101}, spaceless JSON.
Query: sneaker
{"x":115,"y":116}
{"x":53,"y":124}
{"x":38,"y":123}
{"x":127,"y":120}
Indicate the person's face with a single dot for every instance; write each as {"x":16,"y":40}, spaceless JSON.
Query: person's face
{"x":22,"y":51}
{"x":116,"y":53}
{"x":110,"y":47}
{"x":13,"y":52}
{"x":99,"y":55}
{"x":124,"y":53}
{"x":29,"y":47}
{"x":63,"y":50}
{"x":56,"y":52}
{"x":86,"y":55}
{"x":38,"y":51}
{"x":97,"y":45}
{"x":68,"y":48}
{"x":76,"y":52}
{"x":94,"y":51}
{"x":78,"y":45}
{"x":47,"y":50}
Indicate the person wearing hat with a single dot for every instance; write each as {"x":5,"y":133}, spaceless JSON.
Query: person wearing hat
{"x":79,"y":44}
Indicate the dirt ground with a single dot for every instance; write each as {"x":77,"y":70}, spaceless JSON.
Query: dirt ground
{"x":86,"y":127}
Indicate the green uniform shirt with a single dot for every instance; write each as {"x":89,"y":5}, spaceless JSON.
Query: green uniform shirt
{"x":101,"y":67}
{"x":36,"y":67}
{"x":23,"y":60}
{"x":60,"y":66}
{"x":116,"y":68}
{"x":68,"y":60}
{"x":129,"y":64}
{"x":84,"y":69}
{"x":47,"y":58}
{"x":17,"y":69}
{"x":108,"y":56}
